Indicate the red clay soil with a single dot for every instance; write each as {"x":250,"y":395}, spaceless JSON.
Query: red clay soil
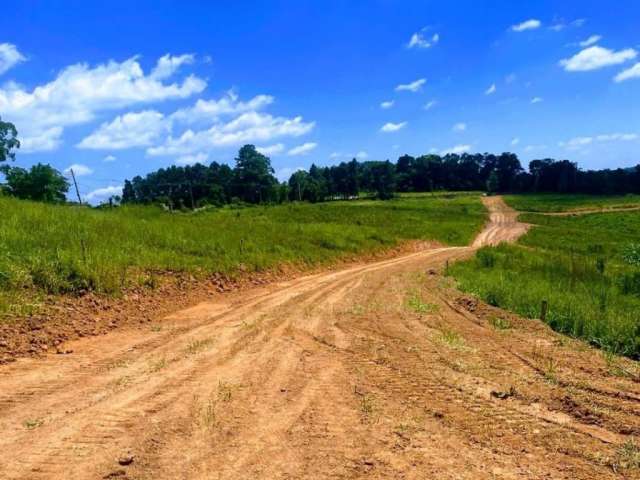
{"x":378,"y":370}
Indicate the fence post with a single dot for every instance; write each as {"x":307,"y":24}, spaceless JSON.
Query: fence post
{"x":543,"y":310}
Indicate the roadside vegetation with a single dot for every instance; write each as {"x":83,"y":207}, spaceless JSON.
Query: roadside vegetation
{"x":586,"y":267}
{"x":558,"y":202}
{"x":65,"y":249}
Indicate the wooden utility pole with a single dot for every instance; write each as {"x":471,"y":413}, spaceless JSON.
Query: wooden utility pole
{"x":73,"y":175}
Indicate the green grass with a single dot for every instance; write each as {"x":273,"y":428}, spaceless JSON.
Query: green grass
{"x":557,"y":202}
{"x":575,"y":263}
{"x":46,"y":249}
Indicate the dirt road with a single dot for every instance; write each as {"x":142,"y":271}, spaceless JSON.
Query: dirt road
{"x":376,"y":371}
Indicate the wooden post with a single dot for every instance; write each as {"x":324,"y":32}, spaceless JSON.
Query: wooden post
{"x":543,"y":310}
{"x":446,"y":267}
{"x":73,"y":175}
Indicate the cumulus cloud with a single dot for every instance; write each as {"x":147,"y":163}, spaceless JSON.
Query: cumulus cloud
{"x":590,"y":41}
{"x":130,"y":130}
{"x":596,"y":57}
{"x":303,"y":149}
{"x":421,"y":40}
{"x":530,"y":24}
{"x":79,"y":92}
{"x":413,"y":86}
{"x":392,"y":127}
{"x":229,"y":105}
{"x":458,"y":149}
{"x":491,"y":90}
{"x":9,"y":57}
{"x":459,"y":127}
{"x":192,"y":159}
{"x":79,"y":170}
{"x":387,"y":104}
{"x":271,"y":149}
{"x":103,"y":193}
{"x":168,"y":65}
{"x":628,"y":74}
{"x":249,"y":127}
{"x":42,"y":141}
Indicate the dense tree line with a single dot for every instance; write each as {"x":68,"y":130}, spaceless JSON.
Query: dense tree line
{"x":252,"y":179}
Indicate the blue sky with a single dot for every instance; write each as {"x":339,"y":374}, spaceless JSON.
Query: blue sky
{"x":123,"y":88}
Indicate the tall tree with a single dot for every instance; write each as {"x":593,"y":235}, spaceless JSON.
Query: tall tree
{"x":41,"y":183}
{"x":254,"y":181}
{"x":8,"y":141}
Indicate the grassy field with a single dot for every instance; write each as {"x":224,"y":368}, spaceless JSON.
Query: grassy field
{"x":63,"y":249}
{"x":578,"y":264}
{"x":555,"y":202}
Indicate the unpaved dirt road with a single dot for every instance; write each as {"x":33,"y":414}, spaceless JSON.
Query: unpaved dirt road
{"x":375,"y":371}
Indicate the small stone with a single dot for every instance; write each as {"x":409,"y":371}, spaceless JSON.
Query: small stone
{"x":126,"y":459}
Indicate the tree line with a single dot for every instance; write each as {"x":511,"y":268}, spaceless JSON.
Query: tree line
{"x":252,"y":179}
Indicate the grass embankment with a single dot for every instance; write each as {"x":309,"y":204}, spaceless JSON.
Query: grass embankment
{"x":557,"y":202}
{"x":575,"y":263}
{"x":63,"y":249}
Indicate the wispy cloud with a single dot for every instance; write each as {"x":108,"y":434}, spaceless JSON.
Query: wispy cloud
{"x":596,"y":57}
{"x":388,"y":104}
{"x":192,"y":159}
{"x":535,"y":100}
{"x":579,"y":142}
{"x":491,"y":90}
{"x":421,"y":40}
{"x":459,"y":127}
{"x":628,"y":74}
{"x":392,"y":127}
{"x":271,"y":149}
{"x":9,"y":57}
{"x":530,"y":24}
{"x":413,"y":86}
{"x":303,"y":149}
{"x":590,"y":41}
{"x":430,"y":104}
{"x":458,"y":149}
{"x":79,"y":170}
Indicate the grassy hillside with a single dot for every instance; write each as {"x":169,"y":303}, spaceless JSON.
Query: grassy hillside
{"x":62,"y":249}
{"x":577,"y":264}
{"x":556,"y":202}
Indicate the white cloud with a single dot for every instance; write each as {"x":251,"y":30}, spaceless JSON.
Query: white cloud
{"x":530,"y":24}
{"x":109,"y":158}
{"x":44,"y":141}
{"x":79,"y":92}
{"x":9,"y":57}
{"x":515,"y":141}
{"x":130,"y":130}
{"x":392,"y":127}
{"x":227,"y":105}
{"x":419,"y":40}
{"x":459,"y":127}
{"x":533,"y":148}
{"x":429,"y":105}
{"x":103,"y":193}
{"x":535,"y":100}
{"x":590,"y":41}
{"x":249,"y":127}
{"x":192,"y":159}
{"x":491,"y":90}
{"x":79,"y":170}
{"x":413,"y":86}
{"x":361,"y":155}
{"x":168,"y":65}
{"x":596,"y":57}
{"x":303,"y":149}
{"x":387,"y":104}
{"x":458,"y":149}
{"x":578,"y":142}
{"x":629,"y":73}
{"x":271,"y":149}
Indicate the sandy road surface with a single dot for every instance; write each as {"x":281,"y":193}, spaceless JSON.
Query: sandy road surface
{"x":375,"y":371}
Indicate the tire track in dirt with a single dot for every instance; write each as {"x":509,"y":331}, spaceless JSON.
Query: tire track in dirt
{"x":330,"y":375}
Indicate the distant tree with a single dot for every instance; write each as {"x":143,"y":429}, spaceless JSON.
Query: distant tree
{"x":253,"y":176}
{"x":493,"y":182}
{"x":8,"y":141}
{"x":128,"y":193}
{"x":40,"y":183}
{"x":384,"y":174}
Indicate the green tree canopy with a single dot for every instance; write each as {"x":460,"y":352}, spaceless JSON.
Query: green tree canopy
{"x":41,"y":183}
{"x":8,"y":141}
{"x":254,"y":181}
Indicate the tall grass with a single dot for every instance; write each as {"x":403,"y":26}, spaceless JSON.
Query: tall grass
{"x":64,"y":249}
{"x":559,"y":202}
{"x":577,"y":264}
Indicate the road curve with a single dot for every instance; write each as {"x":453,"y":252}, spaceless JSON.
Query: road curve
{"x":375,"y":371}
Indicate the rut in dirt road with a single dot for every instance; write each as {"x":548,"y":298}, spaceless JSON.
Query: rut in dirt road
{"x":376,"y":371}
